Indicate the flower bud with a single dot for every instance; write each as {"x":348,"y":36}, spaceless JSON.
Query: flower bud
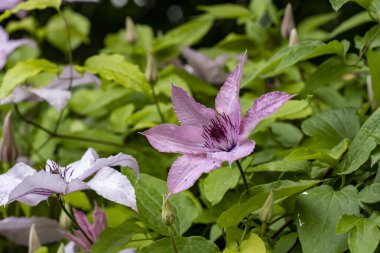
{"x":130,"y":34}
{"x":64,"y":220}
{"x":293,"y":38}
{"x":8,"y":148}
{"x":34,"y":240}
{"x":287,"y":21}
{"x":61,"y":248}
{"x":167,"y":214}
{"x":371,"y":96}
{"x":266,"y":211}
{"x":151,"y":69}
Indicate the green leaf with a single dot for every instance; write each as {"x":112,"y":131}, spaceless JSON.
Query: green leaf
{"x":285,"y":243}
{"x":78,"y":200}
{"x":287,"y":134}
{"x":59,"y":28}
{"x":365,"y":236}
{"x":31,"y":5}
{"x":184,"y":245}
{"x":362,"y":145}
{"x":346,"y":223}
{"x":119,"y":117}
{"x":318,"y":211}
{"x":350,"y":23}
{"x":281,"y":190}
{"x":333,"y":126}
{"x":28,"y":24}
{"x":42,"y":250}
{"x":283,"y":166}
{"x":337,"y":4}
{"x":370,"y":193}
{"x":116,"y":68}
{"x":218,"y":182}
{"x":149,"y":192}
{"x":221,"y":11}
{"x":24,"y":70}
{"x":374,"y":63}
{"x":113,"y":239}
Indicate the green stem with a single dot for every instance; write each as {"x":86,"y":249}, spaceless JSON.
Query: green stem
{"x":157,"y":104}
{"x":60,"y":202}
{"x":242,"y":174}
{"x":172,"y":239}
{"x":263,"y":229}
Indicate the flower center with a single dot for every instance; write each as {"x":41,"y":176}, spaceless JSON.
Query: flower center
{"x":54,"y":168}
{"x":221,"y":134}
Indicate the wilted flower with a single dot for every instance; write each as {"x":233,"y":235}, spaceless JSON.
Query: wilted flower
{"x":7,"y":46}
{"x":56,"y":92}
{"x":287,"y":21}
{"x":130,"y":34}
{"x":209,"y":70}
{"x":92,"y":230}
{"x":16,"y":229}
{"x":8,"y":148}
{"x":29,"y":186}
{"x":205,"y":137}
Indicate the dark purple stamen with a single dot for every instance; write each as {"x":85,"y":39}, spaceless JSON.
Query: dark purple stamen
{"x":220,"y":134}
{"x":65,"y":172}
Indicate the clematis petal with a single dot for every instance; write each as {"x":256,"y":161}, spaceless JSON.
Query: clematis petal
{"x":55,"y":97}
{"x":12,"y":178}
{"x":114,"y":186}
{"x":227,"y":101}
{"x":70,"y":247}
{"x":76,"y":185}
{"x":240,"y":151}
{"x":100,"y":222}
{"x":37,"y":187}
{"x":83,"y":223}
{"x":11,"y":45}
{"x":4,"y":37}
{"x":16,"y":229}
{"x":78,"y":238}
{"x":176,"y":139}
{"x":187,"y":169}
{"x":85,"y":163}
{"x":188,"y":111}
{"x":120,"y":159}
{"x":62,"y":82}
{"x":262,"y":108}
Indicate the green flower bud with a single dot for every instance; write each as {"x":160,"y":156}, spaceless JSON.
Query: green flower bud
{"x":151,"y":69}
{"x":34,"y":240}
{"x":293,"y":38}
{"x":167,"y":214}
{"x":64,"y":220}
{"x":266,"y":211}
{"x":287,"y":23}
{"x":130,"y":34}
{"x":8,"y":148}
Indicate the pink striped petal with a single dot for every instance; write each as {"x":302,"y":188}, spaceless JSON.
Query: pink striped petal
{"x":240,"y":151}
{"x":114,"y":186}
{"x":83,"y":223}
{"x":227,"y":101}
{"x":100,"y":222}
{"x":188,"y":111}
{"x":176,"y":139}
{"x":187,"y":169}
{"x":78,"y":238}
{"x":262,"y":108}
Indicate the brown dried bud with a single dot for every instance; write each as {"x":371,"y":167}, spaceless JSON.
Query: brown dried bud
{"x":167,"y":214}
{"x":8,"y":148}
{"x":151,"y":69}
{"x":266,"y":211}
{"x":130,"y":34}
{"x":34,"y":240}
{"x":287,"y":21}
{"x":293,"y":39}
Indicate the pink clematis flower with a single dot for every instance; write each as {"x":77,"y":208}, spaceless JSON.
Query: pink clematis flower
{"x":93,"y":231}
{"x":8,"y":4}
{"x":24,"y":184}
{"x":206,"y":137}
{"x":7,"y":46}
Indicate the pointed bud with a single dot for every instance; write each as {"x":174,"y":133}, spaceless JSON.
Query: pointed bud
{"x":266,"y":211}
{"x":167,"y":214}
{"x":293,"y":39}
{"x":64,"y":220}
{"x":287,"y":21}
{"x":130,"y":34}
{"x":61,"y":248}
{"x":34,"y":240}
{"x":8,"y":148}
{"x":151,"y":69}
{"x":371,"y":96}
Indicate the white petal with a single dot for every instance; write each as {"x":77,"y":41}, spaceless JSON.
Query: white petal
{"x":114,"y":186}
{"x":85,"y":163}
{"x":11,"y":179}
{"x":55,"y":97}
{"x":16,"y":229}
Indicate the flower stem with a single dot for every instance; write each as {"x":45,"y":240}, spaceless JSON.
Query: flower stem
{"x":60,"y":202}
{"x":172,"y":239}
{"x":242,"y":174}
{"x":156,"y":103}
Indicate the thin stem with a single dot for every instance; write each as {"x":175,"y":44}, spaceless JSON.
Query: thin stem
{"x":62,"y":136}
{"x":60,"y":202}
{"x":172,"y":239}
{"x":275,"y":234}
{"x":242,"y":174}
{"x":157,"y":104}
{"x":263,"y":229}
